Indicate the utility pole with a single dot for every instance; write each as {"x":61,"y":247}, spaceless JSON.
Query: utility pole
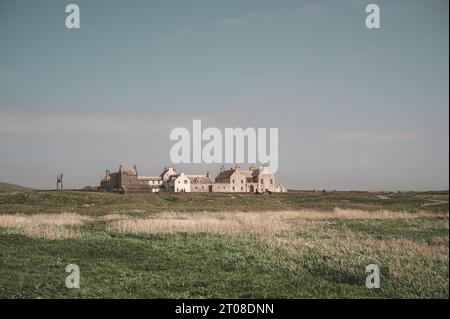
{"x":59,"y":181}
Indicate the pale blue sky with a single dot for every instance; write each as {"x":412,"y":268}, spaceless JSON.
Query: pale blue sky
{"x":355,"y":108}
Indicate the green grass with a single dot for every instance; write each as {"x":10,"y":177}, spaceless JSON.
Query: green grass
{"x":419,"y":229}
{"x":106,"y":203}
{"x":7,"y":187}
{"x":204,"y":266}
{"x":326,"y":259}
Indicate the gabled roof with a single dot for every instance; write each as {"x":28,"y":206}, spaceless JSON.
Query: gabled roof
{"x":225,"y":174}
{"x":199,"y":179}
{"x":246,"y":173}
{"x":165,"y":170}
{"x":251,"y":174}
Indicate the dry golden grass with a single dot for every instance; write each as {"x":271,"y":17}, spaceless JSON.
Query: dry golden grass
{"x":218,"y":223}
{"x":269,"y":225}
{"x":266,"y":225}
{"x":243,"y":222}
{"x":230,"y":223}
{"x":276,"y":230}
{"x":42,"y":225}
{"x":361,"y":214}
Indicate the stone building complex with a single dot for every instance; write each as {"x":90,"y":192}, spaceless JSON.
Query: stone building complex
{"x":252,"y":180}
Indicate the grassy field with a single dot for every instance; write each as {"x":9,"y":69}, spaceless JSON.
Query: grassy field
{"x":294,"y":245}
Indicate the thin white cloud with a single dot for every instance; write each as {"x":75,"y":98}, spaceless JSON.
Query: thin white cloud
{"x":253,"y":17}
{"x":178,"y":33}
{"x":44,"y":123}
{"x":308,"y":9}
{"x":268,"y":18}
{"x":232,"y":22}
{"x":374,"y":137}
{"x":51,"y":123}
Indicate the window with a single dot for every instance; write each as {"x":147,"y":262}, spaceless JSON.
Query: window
{"x":242,"y":181}
{"x":242,"y":188}
{"x":262,"y":181}
{"x":271,"y":181}
{"x":179,"y":182}
{"x":185,"y":181}
{"x":233,"y":181}
{"x":233,"y":187}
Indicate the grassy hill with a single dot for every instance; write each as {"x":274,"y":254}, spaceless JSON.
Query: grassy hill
{"x":7,"y":187}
